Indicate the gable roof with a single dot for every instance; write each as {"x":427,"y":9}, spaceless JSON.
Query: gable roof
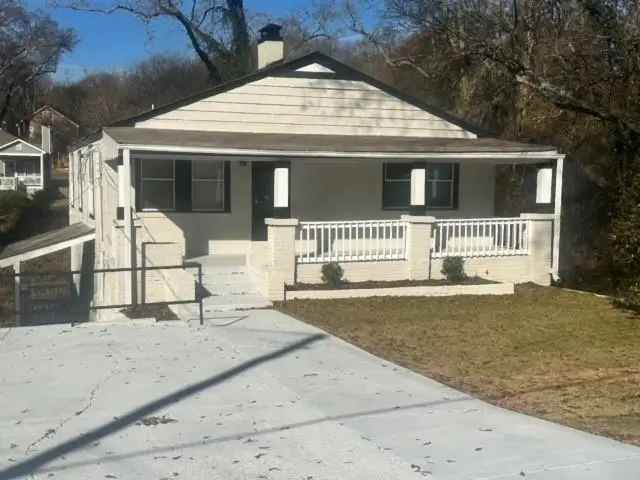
{"x":56,"y":110}
{"x":339,"y":71}
{"x":7,"y":139}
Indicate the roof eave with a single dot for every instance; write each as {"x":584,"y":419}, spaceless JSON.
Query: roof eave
{"x":533,"y":155}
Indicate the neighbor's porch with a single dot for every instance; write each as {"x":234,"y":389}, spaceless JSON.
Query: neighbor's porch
{"x":22,"y":173}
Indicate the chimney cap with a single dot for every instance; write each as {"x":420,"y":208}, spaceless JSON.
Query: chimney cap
{"x":270,"y":31}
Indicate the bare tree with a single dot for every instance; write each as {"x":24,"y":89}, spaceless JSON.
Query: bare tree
{"x":217,"y":30}
{"x":31,"y":46}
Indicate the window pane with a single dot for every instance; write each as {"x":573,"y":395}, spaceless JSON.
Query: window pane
{"x":396,"y":194}
{"x":207,"y":195}
{"x":440,"y":194}
{"x":440,"y":172}
{"x":157,"y":194}
{"x":397,"y":172}
{"x":152,"y":168}
{"x":210,"y":169}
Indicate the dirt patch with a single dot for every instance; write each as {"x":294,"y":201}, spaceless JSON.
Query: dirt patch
{"x":153,"y":421}
{"x":564,"y":356}
{"x":159,"y":312}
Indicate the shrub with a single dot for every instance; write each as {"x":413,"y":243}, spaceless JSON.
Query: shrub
{"x":12,"y":206}
{"x":453,"y":269}
{"x":332,"y":274}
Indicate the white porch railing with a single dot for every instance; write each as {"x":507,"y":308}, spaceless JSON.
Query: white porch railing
{"x":362,"y":240}
{"x":481,"y":237}
{"x":29,"y":180}
{"x":12,"y":183}
{"x":8,"y":183}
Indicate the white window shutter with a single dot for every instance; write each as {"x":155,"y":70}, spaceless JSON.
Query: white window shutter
{"x":544,"y":182}
{"x":281,"y":187}
{"x":417,"y":187}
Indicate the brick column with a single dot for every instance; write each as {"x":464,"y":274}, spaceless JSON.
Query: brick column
{"x":281,"y":238}
{"x":418,"y":246}
{"x":540,"y":227}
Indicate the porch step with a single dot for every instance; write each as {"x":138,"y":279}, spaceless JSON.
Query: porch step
{"x":227,"y":285}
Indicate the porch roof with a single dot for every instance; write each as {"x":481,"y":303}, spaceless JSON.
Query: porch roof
{"x":320,"y":145}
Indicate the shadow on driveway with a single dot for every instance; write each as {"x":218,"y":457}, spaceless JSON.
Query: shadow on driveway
{"x":32,"y":464}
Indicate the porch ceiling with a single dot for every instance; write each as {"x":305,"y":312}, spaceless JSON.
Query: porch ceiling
{"x":323,"y":145}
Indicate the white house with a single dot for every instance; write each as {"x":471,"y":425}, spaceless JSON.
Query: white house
{"x":22,"y":165}
{"x":301,"y":163}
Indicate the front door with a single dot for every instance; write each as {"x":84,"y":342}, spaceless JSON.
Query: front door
{"x":262,"y":198}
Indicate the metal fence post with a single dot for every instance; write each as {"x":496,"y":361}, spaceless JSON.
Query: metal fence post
{"x":200,"y":295}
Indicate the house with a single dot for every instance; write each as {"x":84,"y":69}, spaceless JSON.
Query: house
{"x":301,"y":163}
{"x":22,"y":164}
{"x":54,"y":130}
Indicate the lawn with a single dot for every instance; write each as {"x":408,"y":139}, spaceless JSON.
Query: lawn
{"x":568,"y":357}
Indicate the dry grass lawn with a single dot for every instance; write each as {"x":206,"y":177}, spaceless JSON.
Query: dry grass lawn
{"x":568,"y":357}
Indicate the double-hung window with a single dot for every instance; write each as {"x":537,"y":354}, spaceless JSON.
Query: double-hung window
{"x":157,"y":184}
{"x":396,"y":190}
{"x":441,"y":185}
{"x":207,"y":185}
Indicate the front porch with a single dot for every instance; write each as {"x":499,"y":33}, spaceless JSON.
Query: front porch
{"x":382,"y":215}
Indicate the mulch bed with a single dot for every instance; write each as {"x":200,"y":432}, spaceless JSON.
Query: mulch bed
{"x":387,"y":284}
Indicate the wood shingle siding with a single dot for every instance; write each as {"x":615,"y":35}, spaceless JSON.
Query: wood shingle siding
{"x":307,"y":106}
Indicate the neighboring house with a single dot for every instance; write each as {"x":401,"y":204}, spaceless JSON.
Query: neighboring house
{"x":52,"y":129}
{"x":305,"y":162}
{"x":21,"y":164}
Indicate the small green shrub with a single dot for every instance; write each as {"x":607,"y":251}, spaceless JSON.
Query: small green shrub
{"x":332,"y":274}
{"x":453,"y":269}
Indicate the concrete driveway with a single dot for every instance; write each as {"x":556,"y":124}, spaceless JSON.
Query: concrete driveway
{"x":258,"y":396}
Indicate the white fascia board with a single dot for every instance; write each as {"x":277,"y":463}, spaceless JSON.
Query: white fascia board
{"x":524,"y":156}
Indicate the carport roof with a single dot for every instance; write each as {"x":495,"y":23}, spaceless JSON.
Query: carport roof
{"x":310,"y":144}
{"x":45,"y":243}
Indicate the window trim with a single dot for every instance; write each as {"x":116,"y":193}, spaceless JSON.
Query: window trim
{"x":157,"y":179}
{"x":455,"y":190}
{"x":183,"y":185}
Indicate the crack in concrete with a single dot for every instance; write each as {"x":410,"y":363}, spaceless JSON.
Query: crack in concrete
{"x":92,"y":396}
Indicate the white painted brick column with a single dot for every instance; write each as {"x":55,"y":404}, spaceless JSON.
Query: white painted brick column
{"x":418,"y":246}
{"x":540,"y":256}
{"x":281,"y":238}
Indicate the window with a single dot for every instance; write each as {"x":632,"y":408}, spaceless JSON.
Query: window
{"x":157,"y":185}
{"x":396,"y":190}
{"x":441,"y":185}
{"x":207,"y":185}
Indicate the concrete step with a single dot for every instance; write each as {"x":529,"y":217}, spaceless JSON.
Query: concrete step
{"x":228,"y":285}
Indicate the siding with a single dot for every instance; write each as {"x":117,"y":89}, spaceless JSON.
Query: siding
{"x":311,"y":106}
{"x":352,"y":190}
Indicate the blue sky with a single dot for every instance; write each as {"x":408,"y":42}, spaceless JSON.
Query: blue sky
{"x":113,"y":42}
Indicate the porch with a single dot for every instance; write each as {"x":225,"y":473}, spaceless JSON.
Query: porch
{"x":389,"y":211}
